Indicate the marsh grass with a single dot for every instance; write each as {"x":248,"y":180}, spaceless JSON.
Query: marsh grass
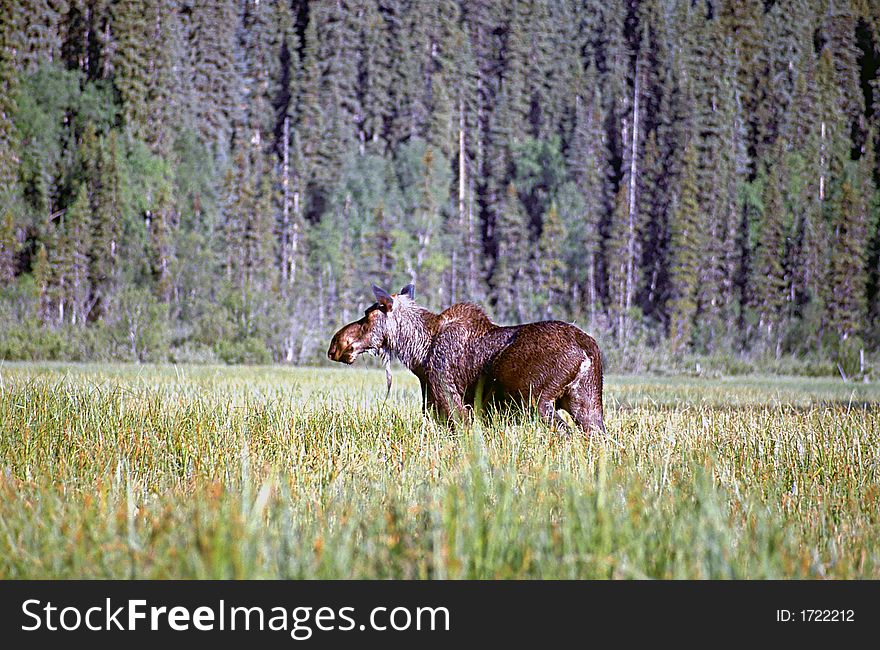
{"x":212,"y":472}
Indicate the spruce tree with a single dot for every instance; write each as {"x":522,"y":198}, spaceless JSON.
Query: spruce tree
{"x":550,"y":265}
{"x":260,"y":241}
{"x":149,"y":46}
{"x":39,"y":26}
{"x":42,"y":271}
{"x":163,"y":222}
{"x":73,"y":261}
{"x":769,"y":283}
{"x":213,"y":44}
{"x":686,"y":243}
{"x":109,"y":214}
{"x":847,"y":276}
{"x":589,"y":162}
{"x":9,"y":247}
{"x":617,"y":264}
{"x":510,"y":277}
{"x":9,"y":145}
{"x":375,"y":80}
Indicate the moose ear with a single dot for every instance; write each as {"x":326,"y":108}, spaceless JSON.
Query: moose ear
{"x":383,"y":298}
{"x":409,"y":291}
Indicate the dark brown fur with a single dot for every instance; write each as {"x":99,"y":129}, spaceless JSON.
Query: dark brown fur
{"x":460,"y":356}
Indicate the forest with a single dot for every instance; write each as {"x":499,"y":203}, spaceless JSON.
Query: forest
{"x":222,"y":181}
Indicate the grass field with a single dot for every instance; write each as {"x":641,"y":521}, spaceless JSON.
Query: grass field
{"x":215,"y":472}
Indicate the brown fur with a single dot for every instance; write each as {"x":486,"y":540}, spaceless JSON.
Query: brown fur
{"x":460,"y":357}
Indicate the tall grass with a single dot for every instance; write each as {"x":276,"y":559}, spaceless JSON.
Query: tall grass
{"x":204,"y":472}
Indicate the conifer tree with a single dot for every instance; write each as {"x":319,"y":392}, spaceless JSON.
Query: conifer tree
{"x":9,"y":156}
{"x":149,"y":41}
{"x":109,"y":212}
{"x":686,"y":249}
{"x":311,"y":116}
{"x":39,"y":31}
{"x":239,"y":195}
{"x":375,"y":81}
{"x":73,"y":261}
{"x":261,"y":74}
{"x":9,"y":247}
{"x":510,"y":277}
{"x":616,"y":254}
{"x":212,"y":41}
{"x":163,"y":222}
{"x":259,"y":239}
{"x":42,"y":279}
{"x":379,"y":247}
{"x":847,"y":277}
{"x":591,"y":170}
{"x":769,"y":283}
{"x":550,"y":265}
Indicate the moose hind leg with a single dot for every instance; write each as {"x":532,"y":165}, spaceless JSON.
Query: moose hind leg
{"x":547,"y":409}
{"x":585,"y":409}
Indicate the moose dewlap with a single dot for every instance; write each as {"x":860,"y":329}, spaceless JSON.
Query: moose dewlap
{"x":461,"y":356}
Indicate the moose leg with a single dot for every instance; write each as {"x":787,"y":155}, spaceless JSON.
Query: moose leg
{"x":448,"y":403}
{"x":547,"y":408}
{"x":585,"y":413}
{"x":427,"y":400}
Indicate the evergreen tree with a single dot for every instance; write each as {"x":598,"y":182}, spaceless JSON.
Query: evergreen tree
{"x":260,"y":241}
{"x":617,"y":256}
{"x":162,"y":224}
{"x":847,"y":277}
{"x":9,"y":157}
{"x":379,"y":248}
{"x":375,"y":81}
{"x":38,"y":23}
{"x":550,"y":265}
{"x":148,"y":43}
{"x":43,"y":279}
{"x":769,"y":283}
{"x":212,"y":42}
{"x":9,"y":247}
{"x":591,"y":170}
{"x":686,"y":243}
{"x":72,"y":262}
{"x":510,"y":277}
{"x":261,"y":69}
{"x":109,"y":213}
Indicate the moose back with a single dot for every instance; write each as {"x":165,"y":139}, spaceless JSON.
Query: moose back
{"x":460,"y":351}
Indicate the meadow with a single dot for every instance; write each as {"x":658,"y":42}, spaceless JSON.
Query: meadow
{"x":124,"y":471}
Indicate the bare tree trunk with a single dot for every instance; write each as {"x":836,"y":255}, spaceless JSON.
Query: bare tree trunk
{"x":592,"y":283}
{"x":87,"y":32}
{"x":822,"y":164}
{"x":454,"y":278}
{"x":294,"y":238}
{"x":633,"y":175}
{"x":472,"y":266}
{"x":462,"y":173}
{"x":285,"y":208}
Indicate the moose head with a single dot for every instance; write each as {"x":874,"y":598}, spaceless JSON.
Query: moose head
{"x":369,"y":333}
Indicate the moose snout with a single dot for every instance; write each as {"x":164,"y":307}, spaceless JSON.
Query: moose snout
{"x":341,"y":353}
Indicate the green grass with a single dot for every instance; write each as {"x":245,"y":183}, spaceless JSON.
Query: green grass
{"x":212,"y":472}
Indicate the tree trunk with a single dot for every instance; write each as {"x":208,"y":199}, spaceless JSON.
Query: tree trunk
{"x":285,"y":208}
{"x":633,"y":175}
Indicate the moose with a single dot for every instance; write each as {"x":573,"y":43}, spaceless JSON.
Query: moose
{"x":461,"y":358}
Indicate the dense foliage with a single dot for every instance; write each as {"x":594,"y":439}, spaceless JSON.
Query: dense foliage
{"x":223,"y":180}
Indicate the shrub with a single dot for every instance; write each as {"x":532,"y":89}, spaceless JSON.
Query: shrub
{"x":249,"y":351}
